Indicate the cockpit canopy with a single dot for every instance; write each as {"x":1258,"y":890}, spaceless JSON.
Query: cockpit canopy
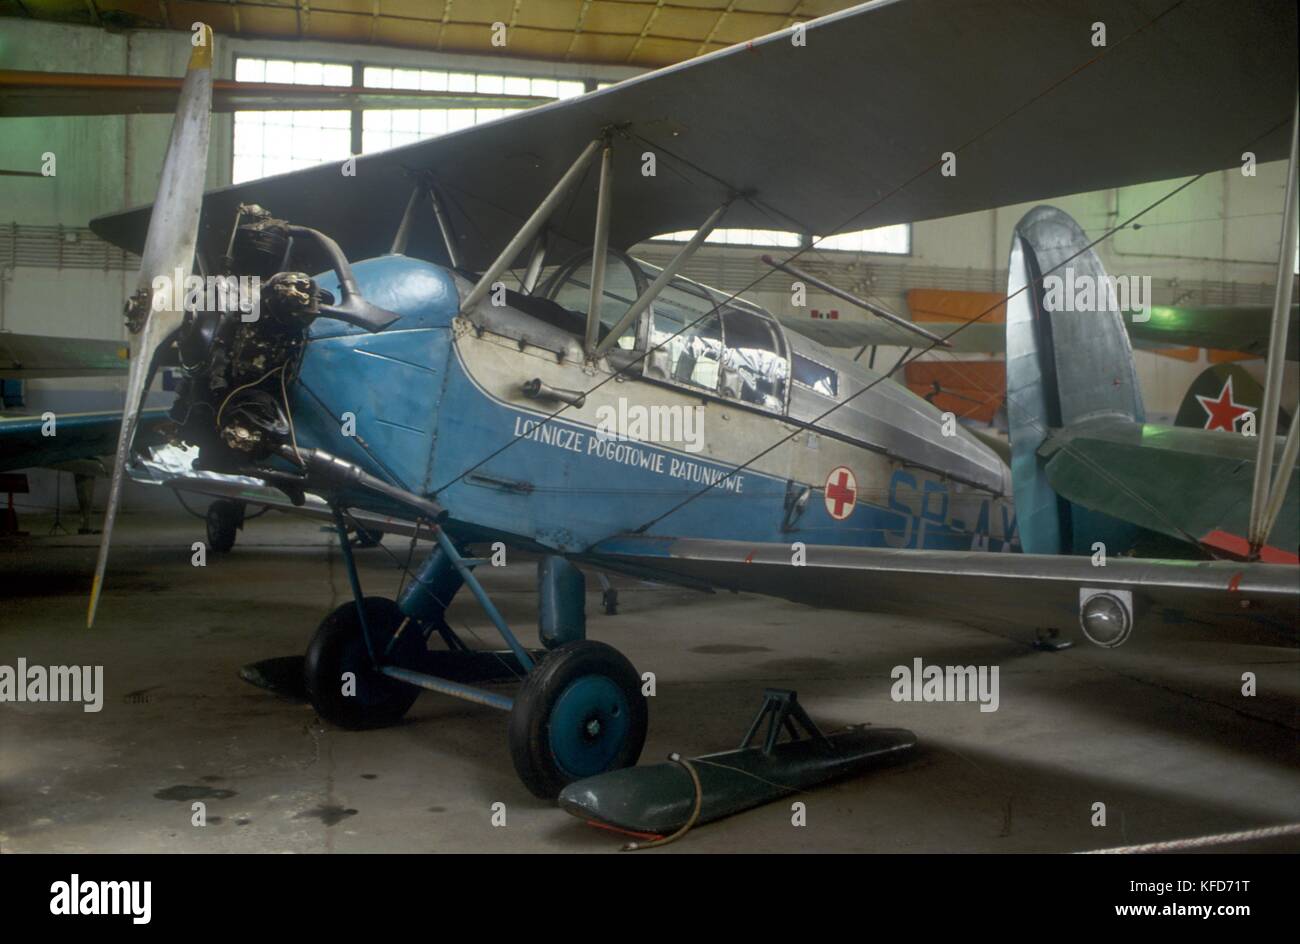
{"x":700,"y":338}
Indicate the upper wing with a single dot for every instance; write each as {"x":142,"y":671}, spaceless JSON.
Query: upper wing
{"x":846,"y":131}
{"x":1190,"y":484}
{"x":29,"y":441}
{"x":1025,"y":589}
{"x":32,"y":356}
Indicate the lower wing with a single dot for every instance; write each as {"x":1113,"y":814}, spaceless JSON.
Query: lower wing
{"x":1031,"y":590}
{"x":30,"y":441}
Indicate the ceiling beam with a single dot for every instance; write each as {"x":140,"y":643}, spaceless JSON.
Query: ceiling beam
{"x":717,"y":24}
{"x":645,"y":30}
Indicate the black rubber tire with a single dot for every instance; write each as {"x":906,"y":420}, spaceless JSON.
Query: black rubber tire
{"x":339,"y":647}
{"x":223,"y":525}
{"x":366,"y":538}
{"x":529,"y":727}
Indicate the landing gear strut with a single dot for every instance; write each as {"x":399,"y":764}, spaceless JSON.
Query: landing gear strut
{"x":580,"y":711}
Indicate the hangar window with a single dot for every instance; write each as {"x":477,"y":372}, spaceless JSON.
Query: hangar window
{"x":895,"y":240}
{"x":737,"y":237}
{"x":383,"y":128}
{"x":276,"y":142}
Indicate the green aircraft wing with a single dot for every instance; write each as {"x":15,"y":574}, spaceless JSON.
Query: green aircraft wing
{"x":1241,"y":328}
{"x":32,"y":356}
{"x":27,"y":442}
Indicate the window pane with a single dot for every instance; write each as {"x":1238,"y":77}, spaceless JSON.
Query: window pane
{"x":433,"y":81}
{"x":246,"y":167}
{"x":433,"y":121}
{"x":336,"y":74}
{"x":892,"y":239}
{"x":753,"y":355}
{"x":250,"y":70}
{"x":307,"y":73}
{"x":406,"y":78}
{"x":885,"y":239}
{"x":691,"y":338}
{"x":279,"y":70}
{"x":276,"y":142}
{"x":825,"y":380}
{"x":375,"y":77}
{"x":460,"y":118}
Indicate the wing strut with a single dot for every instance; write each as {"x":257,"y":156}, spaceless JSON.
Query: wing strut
{"x":531,"y":227}
{"x":666,"y":275}
{"x":1266,"y":498}
{"x":852,"y":299}
{"x":600,"y":244}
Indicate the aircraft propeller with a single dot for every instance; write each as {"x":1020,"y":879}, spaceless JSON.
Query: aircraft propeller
{"x":168,"y":251}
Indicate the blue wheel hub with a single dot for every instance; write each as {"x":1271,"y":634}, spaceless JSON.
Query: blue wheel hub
{"x":588,"y":726}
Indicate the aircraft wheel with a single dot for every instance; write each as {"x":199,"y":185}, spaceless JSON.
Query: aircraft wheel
{"x":368,"y":698}
{"x":579,"y":713}
{"x":365,"y":538}
{"x":223,"y":524}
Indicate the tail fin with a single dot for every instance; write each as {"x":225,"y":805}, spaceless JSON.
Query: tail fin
{"x":1064,"y":365}
{"x":1224,"y":396}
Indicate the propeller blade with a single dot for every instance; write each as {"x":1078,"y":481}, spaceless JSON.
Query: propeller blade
{"x":168,"y":252}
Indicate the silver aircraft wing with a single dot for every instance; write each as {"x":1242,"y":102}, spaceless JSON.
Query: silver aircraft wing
{"x":1030,"y":590}
{"x":839,"y":124}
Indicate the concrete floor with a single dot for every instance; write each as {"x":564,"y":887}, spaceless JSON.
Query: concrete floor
{"x":1158,"y":730}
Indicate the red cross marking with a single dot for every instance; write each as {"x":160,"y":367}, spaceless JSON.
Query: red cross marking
{"x":841,"y":493}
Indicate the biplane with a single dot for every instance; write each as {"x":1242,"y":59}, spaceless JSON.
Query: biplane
{"x":445,"y":330}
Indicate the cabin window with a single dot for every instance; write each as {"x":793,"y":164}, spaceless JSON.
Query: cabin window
{"x":688,"y":334}
{"x":620,"y":291}
{"x":755,"y":367}
{"x":823,"y":379}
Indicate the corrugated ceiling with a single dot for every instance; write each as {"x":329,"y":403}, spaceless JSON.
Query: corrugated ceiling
{"x":644,"y":33}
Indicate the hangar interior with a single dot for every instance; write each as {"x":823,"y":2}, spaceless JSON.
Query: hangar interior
{"x":1158,"y":732}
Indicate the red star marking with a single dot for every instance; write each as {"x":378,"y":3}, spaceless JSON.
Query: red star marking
{"x":1222,"y":412}
{"x":841,"y":493}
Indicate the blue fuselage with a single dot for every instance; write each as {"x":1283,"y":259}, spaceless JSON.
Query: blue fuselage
{"x":430,"y":404}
